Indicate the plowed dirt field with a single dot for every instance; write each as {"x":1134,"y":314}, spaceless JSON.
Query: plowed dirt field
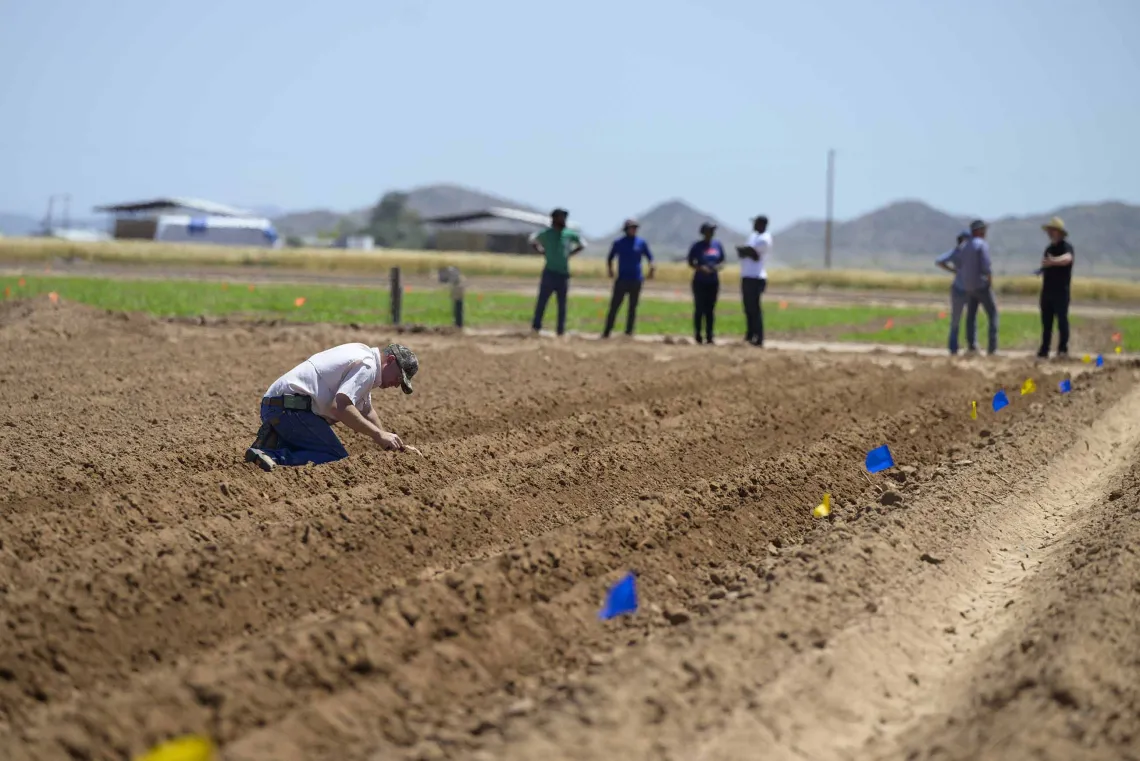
{"x":981,"y":600}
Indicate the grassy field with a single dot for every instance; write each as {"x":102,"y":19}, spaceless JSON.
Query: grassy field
{"x":346,"y":305}
{"x":44,"y":250}
{"x":338,"y":304}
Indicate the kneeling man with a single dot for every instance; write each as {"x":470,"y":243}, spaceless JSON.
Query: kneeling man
{"x":335,"y":385}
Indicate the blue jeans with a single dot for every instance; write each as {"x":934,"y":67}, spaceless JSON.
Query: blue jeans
{"x":555,"y":283}
{"x":958,"y":299}
{"x":299,"y":437}
{"x":985,"y":297}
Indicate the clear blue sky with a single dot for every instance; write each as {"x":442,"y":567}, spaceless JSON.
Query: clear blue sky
{"x":606,"y":107}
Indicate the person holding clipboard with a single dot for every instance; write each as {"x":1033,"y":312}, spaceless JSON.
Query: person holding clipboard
{"x":754,"y":278}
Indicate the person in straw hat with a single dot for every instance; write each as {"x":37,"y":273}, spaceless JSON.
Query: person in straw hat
{"x":1056,"y":277}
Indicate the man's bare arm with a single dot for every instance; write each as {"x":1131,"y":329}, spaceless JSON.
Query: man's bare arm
{"x":348,"y":414}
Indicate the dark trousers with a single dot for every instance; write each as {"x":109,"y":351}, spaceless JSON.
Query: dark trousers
{"x":555,"y":283}
{"x":297,"y":437}
{"x":983,"y":297}
{"x":1054,"y":305}
{"x":623,"y":288}
{"x":751,"y":289}
{"x":704,"y":307}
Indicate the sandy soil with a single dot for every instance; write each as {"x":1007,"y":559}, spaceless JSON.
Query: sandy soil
{"x":980,"y":601}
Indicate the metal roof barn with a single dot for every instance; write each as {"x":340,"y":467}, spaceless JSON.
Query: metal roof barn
{"x":190,"y":220}
{"x":496,"y":230}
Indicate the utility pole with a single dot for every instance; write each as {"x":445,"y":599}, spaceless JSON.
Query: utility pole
{"x":830,"y":209}
{"x":67,"y":211}
{"x":49,"y":218}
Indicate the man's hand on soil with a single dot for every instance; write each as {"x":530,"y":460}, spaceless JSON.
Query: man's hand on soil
{"x":390,"y":441}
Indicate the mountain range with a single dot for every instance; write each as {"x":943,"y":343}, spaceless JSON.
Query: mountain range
{"x":903,"y":235}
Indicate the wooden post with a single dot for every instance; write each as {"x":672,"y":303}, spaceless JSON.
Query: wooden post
{"x":397,"y":297}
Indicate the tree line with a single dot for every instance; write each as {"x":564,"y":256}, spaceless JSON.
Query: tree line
{"x":390,"y":223}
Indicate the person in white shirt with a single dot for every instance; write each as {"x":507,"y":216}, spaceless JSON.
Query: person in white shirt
{"x":335,"y":385}
{"x":754,"y":278}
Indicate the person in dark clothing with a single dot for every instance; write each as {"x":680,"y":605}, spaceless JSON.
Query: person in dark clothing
{"x":1056,"y":277}
{"x":629,"y":251}
{"x":706,"y":257}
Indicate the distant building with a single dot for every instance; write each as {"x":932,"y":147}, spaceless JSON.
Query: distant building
{"x":187,"y":220}
{"x":76,"y":235}
{"x":496,"y":230}
{"x":356,"y":242}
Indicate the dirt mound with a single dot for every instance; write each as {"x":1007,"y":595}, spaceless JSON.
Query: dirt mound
{"x":386,"y":606}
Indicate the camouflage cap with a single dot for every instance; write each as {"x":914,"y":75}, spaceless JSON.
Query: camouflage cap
{"x":409,"y":364}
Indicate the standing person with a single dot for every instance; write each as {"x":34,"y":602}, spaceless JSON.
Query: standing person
{"x":958,"y":296}
{"x":706,"y":257}
{"x":1056,"y":279}
{"x":977,"y":275}
{"x":754,"y":278}
{"x":557,"y":244}
{"x":335,"y":385}
{"x":629,"y":251}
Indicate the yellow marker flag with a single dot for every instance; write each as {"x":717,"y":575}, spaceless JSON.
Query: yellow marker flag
{"x":973,"y":410}
{"x":1086,"y":359}
{"x":1119,"y":350}
{"x":1028,"y":387}
{"x":823,"y":509}
{"x":188,"y":748}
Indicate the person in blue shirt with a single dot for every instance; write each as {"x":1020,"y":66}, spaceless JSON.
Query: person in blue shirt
{"x":976,"y":267}
{"x":629,"y":251}
{"x":706,"y":257}
{"x":958,"y":296}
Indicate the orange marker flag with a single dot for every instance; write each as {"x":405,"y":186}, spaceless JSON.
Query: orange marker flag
{"x":942,"y":315}
{"x":479,"y":298}
{"x":7,"y":293}
{"x":1116,"y":337}
{"x":251,"y":287}
{"x":21,"y":282}
{"x":890,"y":323}
{"x":407,"y":289}
{"x":53,"y":297}
{"x":299,"y":301}
{"x":783,"y":305}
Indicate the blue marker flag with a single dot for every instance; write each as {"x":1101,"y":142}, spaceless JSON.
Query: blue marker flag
{"x":1001,"y":401}
{"x":622,"y":598}
{"x":1066,"y":386}
{"x":879,"y":459}
{"x":1100,"y":360}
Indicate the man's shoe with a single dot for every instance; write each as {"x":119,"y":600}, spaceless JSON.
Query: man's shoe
{"x":264,"y":461}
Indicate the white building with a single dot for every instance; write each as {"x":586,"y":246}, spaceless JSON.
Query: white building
{"x":188,"y":220}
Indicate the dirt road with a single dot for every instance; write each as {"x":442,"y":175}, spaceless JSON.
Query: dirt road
{"x":980,"y":600}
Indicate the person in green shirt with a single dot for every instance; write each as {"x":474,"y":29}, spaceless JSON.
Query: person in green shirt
{"x":557,"y":244}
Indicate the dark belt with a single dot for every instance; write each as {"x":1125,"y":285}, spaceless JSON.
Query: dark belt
{"x":290,"y":402}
